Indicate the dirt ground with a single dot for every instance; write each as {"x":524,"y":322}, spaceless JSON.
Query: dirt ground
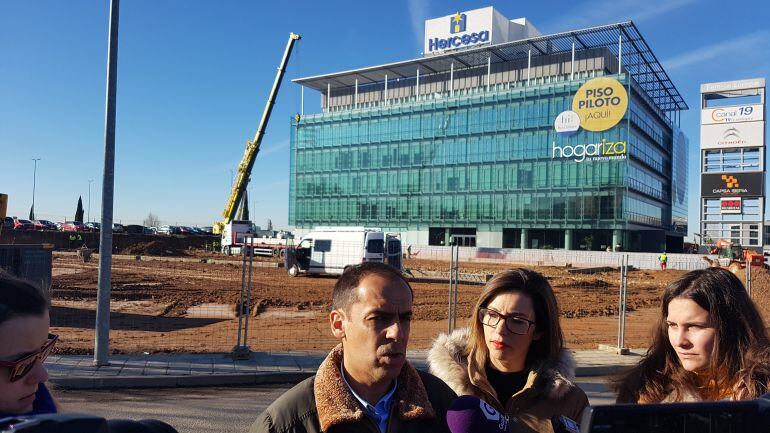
{"x":173,"y":306}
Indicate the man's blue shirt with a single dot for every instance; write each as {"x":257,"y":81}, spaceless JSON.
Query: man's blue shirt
{"x":380,"y":411}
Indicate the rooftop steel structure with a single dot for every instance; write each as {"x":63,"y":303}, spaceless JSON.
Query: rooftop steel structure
{"x":622,"y":39}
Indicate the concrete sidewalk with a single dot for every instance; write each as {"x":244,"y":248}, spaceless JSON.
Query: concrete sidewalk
{"x":174,"y":370}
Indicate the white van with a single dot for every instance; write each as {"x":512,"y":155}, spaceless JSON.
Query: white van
{"x":329,"y":250}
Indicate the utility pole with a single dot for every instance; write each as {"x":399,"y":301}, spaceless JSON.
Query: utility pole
{"x":34,"y":182}
{"x":89,"y":199}
{"x":102,"y":337}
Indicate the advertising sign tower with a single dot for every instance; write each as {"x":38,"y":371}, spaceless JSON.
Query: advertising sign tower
{"x":732,"y":148}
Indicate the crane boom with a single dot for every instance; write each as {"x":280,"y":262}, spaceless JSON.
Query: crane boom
{"x":252,"y":146}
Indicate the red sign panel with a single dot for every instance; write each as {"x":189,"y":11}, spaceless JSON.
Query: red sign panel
{"x":730,"y":205}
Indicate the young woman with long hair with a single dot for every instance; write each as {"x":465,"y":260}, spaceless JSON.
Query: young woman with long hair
{"x":513,"y":356}
{"x":710,"y":343}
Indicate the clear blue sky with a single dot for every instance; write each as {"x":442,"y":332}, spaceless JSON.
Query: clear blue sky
{"x":194,"y":75}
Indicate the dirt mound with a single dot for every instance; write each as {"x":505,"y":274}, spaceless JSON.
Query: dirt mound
{"x":154,"y":248}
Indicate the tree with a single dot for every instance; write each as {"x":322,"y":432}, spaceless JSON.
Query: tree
{"x":244,"y":214}
{"x":32,"y":213}
{"x":152,"y":220}
{"x":79,"y":211}
{"x":269,"y":224}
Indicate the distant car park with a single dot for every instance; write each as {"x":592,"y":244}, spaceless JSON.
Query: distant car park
{"x":93,"y":226}
{"x":118,"y":228}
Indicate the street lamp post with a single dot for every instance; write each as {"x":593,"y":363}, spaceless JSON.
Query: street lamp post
{"x":89,"y":199}
{"x":102,"y":334}
{"x":34,"y":181}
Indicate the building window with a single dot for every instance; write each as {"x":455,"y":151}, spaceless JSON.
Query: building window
{"x":731,"y":160}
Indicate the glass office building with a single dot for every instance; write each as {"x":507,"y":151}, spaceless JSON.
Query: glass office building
{"x":467,"y":149}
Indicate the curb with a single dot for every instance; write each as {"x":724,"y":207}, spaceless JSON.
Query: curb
{"x":218,"y":261}
{"x":600,"y":370}
{"x":271,"y":378}
{"x":89,"y":382}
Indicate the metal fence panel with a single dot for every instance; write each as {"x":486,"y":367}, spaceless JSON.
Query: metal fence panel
{"x":190,"y":300}
{"x":30,"y":262}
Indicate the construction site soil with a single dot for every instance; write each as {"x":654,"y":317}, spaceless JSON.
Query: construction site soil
{"x":191,"y":306}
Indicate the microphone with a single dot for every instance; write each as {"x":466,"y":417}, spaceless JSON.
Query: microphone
{"x":469,"y":414}
{"x":563,"y":424}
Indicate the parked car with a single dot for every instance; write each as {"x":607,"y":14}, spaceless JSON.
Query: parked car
{"x":8,"y":223}
{"x":168,"y":230}
{"x":150,"y":230}
{"x":118,"y":228}
{"x":20,"y":224}
{"x":207,"y":230}
{"x":73,"y":226}
{"x":44,"y":225}
{"x":93,"y":226}
{"x":184,"y":230}
{"x":135,"y":229}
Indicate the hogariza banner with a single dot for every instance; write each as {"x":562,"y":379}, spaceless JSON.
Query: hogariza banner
{"x":598,"y":105}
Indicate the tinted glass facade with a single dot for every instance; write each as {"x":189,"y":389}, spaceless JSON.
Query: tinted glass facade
{"x":489,"y":164}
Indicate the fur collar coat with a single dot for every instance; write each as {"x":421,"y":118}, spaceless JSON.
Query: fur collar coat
{"x":549,"y":389}
{"x":324,"y":403}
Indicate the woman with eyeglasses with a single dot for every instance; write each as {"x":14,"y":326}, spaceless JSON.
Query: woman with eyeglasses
{"x":513,"y":355}
{"x":24,"y":344}
{"x":709,"y":343}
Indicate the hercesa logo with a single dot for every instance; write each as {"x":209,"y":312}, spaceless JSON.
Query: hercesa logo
{"x":457,"y":23}
{"x":600,"y":103}
{"x":730,"y":181}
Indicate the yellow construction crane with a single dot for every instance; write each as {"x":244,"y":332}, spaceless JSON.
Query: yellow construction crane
{"x":252,"y":146}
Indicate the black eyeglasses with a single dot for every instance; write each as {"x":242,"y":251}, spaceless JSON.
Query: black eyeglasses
{"x":515,"y":324}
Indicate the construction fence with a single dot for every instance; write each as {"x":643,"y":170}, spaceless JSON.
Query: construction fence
{"x":204,"y":302}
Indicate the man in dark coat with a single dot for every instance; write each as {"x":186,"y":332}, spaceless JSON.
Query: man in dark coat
{"x":365,"y":384}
